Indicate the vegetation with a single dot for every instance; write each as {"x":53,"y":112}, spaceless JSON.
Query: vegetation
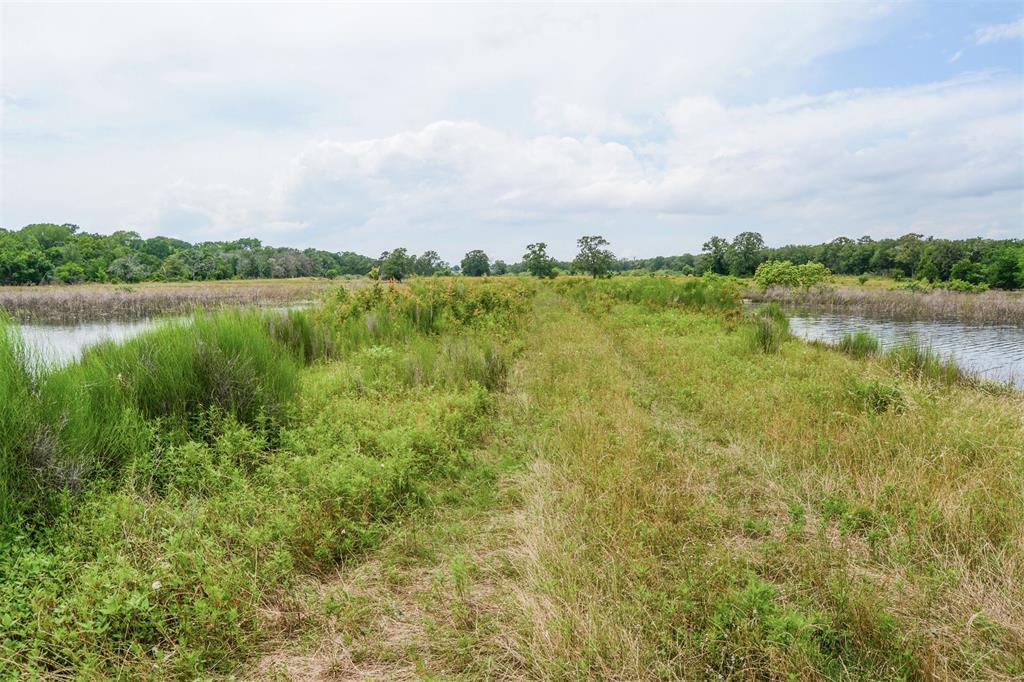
{"x":592,"y":259}
{"x":476,"y":264}
{"x":120,"y":301}
{"x":785,"y":274}
{"x":587,"y":478}
{"x":49,"y":253}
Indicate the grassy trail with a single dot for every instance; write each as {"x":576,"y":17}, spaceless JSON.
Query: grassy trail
{"x":651,"y":506}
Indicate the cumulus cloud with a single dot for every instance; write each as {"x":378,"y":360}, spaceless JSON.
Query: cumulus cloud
{"x":363,"y":127}
{"x":849,"y":156}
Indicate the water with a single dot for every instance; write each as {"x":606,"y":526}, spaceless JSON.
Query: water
{"x":60,"y":344}
{"x":994,"y":352}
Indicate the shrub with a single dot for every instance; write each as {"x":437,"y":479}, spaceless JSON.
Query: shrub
{"x":785,"y":274}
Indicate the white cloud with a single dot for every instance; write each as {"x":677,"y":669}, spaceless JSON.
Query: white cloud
{"x":956,"y":57}
{"x":999,"y":32}
{"x":852,"y":159}
{"x":361,"y":127}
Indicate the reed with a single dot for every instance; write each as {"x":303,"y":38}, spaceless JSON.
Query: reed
{"x":108,"y":301}
{"x":987,"y":307}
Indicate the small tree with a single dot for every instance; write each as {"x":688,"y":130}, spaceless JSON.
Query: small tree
{"x":537,"y":261}
{"x":500,"y":267}
{"x":396,"y":265}
{"x":592,"y":259}
{"x":476,"y":264}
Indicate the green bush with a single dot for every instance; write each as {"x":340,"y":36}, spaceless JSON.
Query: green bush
{"x":785,"y":274}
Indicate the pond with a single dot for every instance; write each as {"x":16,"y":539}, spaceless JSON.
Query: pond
{"x":59,"y":344}
{"x":994,"y":352}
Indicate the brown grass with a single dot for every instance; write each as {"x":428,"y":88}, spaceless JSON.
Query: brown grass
{"x":987,"y":307}
{"x":56,"y":303}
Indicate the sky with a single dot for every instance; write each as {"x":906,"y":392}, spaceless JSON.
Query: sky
{"x":457,"y":127}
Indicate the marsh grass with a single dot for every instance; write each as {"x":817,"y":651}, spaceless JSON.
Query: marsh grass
{"x":921,"y":362}
{"x":70,"y":303}
{"x":987,"y":307}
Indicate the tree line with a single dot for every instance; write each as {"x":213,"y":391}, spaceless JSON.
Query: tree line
{"x":49,"y":253}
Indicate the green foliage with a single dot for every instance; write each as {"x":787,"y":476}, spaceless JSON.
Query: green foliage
{"x":537,"y":261}
{"x":396,"y":265}
{"x":708,"y":293}
{"x":786,"y":274}
{"x":592,"y":259}
{"x":166,"y":565}
{"x":476,"y":264}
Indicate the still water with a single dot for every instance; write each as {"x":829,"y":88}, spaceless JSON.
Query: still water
{"x":994,"y":352}
{"x":59,"y":344}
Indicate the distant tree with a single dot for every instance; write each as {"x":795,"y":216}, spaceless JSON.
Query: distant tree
{"x":968,"y":271}
{"x":715,"y":250}
{"x":926,"y":270}
{"x":127,"y":269}
{"x":592,"y":259}
{"x":745,"y":253}
{"x":476,"y":264}
{"x":537,"y":261}
{"x":428,"y":263}
{"x":500,"y":267}
{"x":397,"y":264}
{"x":1003,"y":271}
{"x":785,"y":274}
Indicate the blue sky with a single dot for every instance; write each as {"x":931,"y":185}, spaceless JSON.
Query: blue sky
{"x":455,"y":127}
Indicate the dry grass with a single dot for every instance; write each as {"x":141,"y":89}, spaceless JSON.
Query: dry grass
{"x":987,"y":307}
{"x":119,"y":301}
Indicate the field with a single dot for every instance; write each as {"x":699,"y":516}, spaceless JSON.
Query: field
{"x":508,"y":479}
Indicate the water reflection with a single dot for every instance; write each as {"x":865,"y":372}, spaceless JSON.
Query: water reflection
{"x":993,"y":352}
{"x":60,"y":344}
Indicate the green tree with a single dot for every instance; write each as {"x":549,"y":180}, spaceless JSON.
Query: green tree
{"x":537,"y":261}
{"x":428,"y":263}
{"x":744,"y":254}
{"x":500,"y":267}
{"x":476,"y":264}
{"x":715,"y":250}
{"x":592,"y":259}
{"x":396,"y":265}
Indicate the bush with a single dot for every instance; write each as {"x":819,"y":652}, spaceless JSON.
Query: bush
{"x":785,"y":274}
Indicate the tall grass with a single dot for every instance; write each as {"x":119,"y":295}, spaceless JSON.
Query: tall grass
{"x":708,"y":293}
{"x":921,"y":362}
{"x":64,"y":427}
{"x":770,"y":328}
{"x":16,"y":419}
{"x":860,"y":344}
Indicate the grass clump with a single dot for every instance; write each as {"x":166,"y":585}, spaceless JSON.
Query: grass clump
{"x":770,"y":328}
{"x":860,"y":344}
{"x":921,"y":362}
